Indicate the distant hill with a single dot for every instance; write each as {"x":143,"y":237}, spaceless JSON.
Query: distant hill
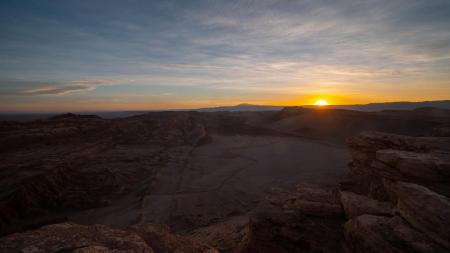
{"x":241,"y":107}
{"x":24,"y":117}
{"x":373,"y":107}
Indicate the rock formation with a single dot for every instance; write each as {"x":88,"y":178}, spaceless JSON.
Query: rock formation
{"x":395,"y":199}
{"x":69,"y":237}
{"x":308,"y":219}
{"x":69,"y":163}
{"x":355,"y":205}
{"x":369,"y":233}
{"x":406,"y":182}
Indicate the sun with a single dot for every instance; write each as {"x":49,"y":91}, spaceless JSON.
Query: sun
{"x":321,"y":102}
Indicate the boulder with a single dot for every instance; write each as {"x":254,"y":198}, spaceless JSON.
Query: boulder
{"x":373,"y":234}
{"x":378,"y":155}
{"x":278,"y":231}
{"x":424,"y":209}
{"x":163,"y":241}
{"x":227,"y":236}
{"x":308,"y":219}
{"x":429,"y":169}
{"x":364,"y":147}
{"x":315,"y":200}
{"x":355,"y":205}
{"x":413,"y":165}
{"x":365,"y":184}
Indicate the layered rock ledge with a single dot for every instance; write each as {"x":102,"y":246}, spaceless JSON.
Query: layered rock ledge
{"x":403,"y":185}
{"x":70,"y":237}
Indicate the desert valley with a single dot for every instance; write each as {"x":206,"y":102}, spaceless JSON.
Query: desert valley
{"x":228,"y":181}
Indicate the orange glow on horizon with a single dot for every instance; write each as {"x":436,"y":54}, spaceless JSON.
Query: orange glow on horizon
{"x":172,"y":103}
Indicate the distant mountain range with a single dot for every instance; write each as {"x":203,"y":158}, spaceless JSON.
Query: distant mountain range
{"x":441,"y":104}
{"x":372,"y":107}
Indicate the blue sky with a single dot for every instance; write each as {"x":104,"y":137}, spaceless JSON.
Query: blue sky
{"x":114,"y":55}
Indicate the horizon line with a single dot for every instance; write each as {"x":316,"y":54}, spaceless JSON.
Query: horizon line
{"x":214,"y":107}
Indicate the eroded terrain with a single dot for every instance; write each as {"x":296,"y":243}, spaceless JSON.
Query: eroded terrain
{"x":201,"y":174}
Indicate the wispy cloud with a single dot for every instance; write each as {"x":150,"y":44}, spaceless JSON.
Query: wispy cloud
{"x":54,"y":88}
{"x":57,"y":90}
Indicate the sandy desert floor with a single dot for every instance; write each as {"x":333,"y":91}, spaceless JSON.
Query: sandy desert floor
{"x":225,"y":177}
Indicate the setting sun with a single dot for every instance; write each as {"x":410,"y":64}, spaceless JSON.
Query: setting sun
{"x":321,"y":102}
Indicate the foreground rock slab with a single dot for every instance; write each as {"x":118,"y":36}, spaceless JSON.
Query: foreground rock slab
{"x":162,"y":240}
{"x":373,"y":234}
{"x":228,"y":236}
{"x":308,"y":219}
{"x":428,"y":169}
{"x":424,"y":209}
{"x":70,"y":237}
{"x":314,"y":200}
{"x":355,"y":205}
{"x":376,"y":155}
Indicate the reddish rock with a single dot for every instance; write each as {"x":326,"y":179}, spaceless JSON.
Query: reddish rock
{"x":373,"y":234}
{"x":314,"y":200}
{"x":163,"y":241}
{"x":69,"y":237}
{"x":274,"y":231}
{"x":429,"y":169}
{"x":380,"y":162}
{"x":355,"y":205}
{"x":227,"y":236}
{"x":309,"y":219}
{"x":423,"y":209}
{"x":377,"y":155}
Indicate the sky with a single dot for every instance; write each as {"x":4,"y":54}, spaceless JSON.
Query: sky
{"x":150,"y":55}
